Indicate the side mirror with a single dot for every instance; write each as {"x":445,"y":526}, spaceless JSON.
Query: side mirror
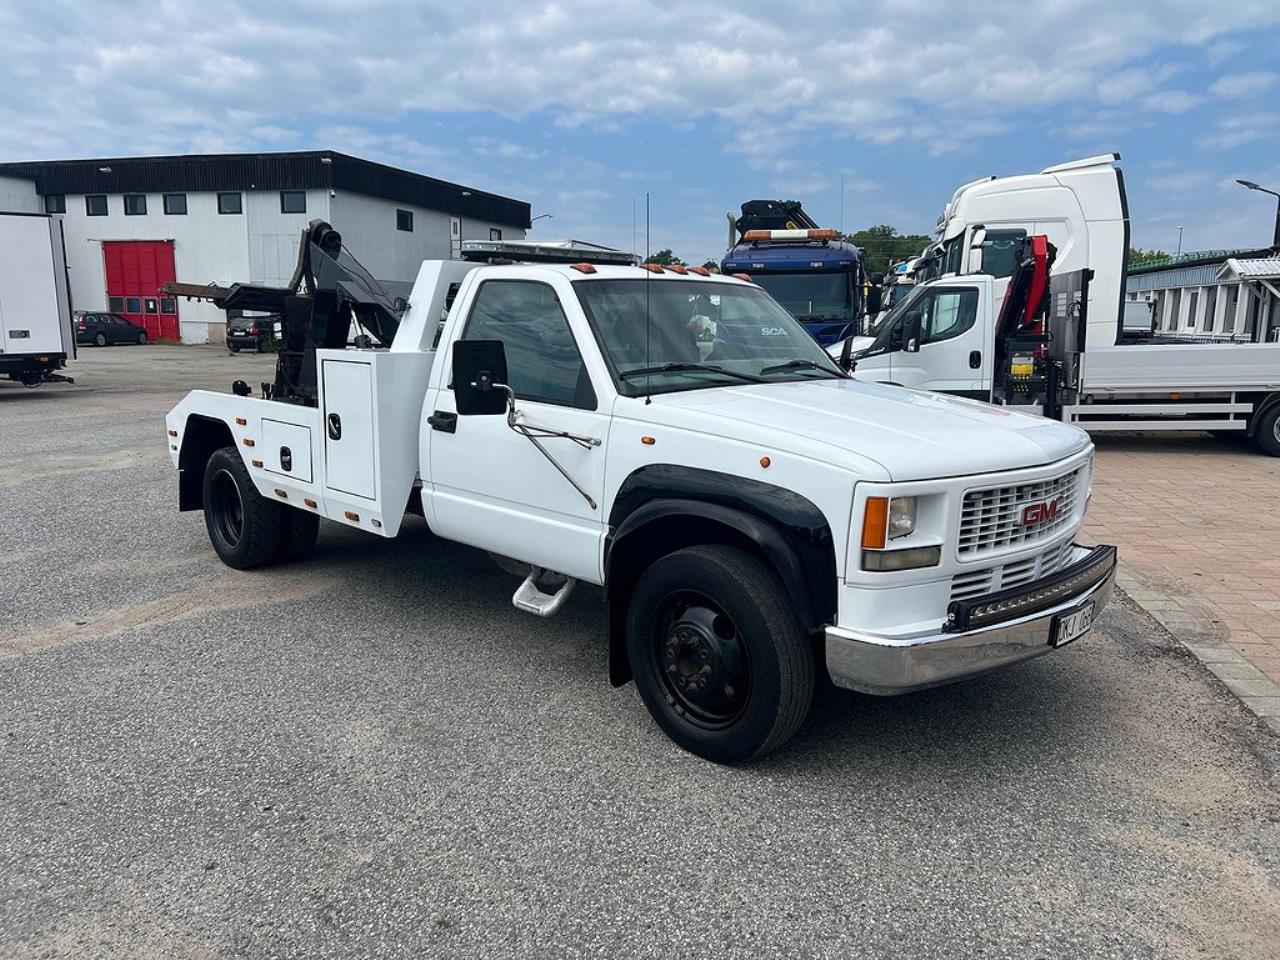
{"x":846,"y":355}
{"x":480,"y":377}
{"x":975,"y":260}
{"x":911,"y":332}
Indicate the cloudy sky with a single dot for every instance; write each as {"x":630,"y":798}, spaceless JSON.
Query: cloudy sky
{"x":582,"y":107}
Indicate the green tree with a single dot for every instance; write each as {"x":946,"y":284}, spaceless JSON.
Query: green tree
{"x":665,"y":257}
{"x":882,"y":246}
{"x":1138,"y":256}
{"x":712,"y":265}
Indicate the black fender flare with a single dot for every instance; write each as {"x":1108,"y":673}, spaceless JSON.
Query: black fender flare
{"x":663,"y":508}
{"x":201,"y":436}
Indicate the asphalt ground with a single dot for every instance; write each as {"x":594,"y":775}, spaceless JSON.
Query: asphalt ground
{"x":373,"y":754}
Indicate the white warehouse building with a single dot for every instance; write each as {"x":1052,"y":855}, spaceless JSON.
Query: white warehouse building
{"x":132,"y":224}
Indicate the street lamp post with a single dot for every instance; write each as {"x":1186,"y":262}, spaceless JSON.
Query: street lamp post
{"x":1275,"y":238}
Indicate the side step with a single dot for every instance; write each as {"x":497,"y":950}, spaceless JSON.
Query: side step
{"x":532,"y":600}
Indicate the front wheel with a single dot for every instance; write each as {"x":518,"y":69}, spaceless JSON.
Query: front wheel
{"x":718,"y":654}
{"x":233,"y":347}
{"x":142,"y":338}
{"x":100,"y":340}
{"x":244,"y":527}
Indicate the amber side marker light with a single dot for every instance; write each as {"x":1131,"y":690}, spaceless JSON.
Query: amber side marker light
{"x":248,"y":442}
{"x":256,"y":463}
{"x":281,"y":494}
{"x":173,"y":433}
{"x":353,"y":517}
{"x":309,"y":502}
{"x":241,"y":421}
{"x":648,"y":441}
{"x":764,"y":462}
{"x":875,"y":523}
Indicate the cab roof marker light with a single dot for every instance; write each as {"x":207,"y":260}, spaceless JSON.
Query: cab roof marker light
{"x":582,"y":267}
{"x":700,"y":271}
{"x":742,"y":276}
{"x":653,"y":267}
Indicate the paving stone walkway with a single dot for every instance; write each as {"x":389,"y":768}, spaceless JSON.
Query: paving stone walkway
{"x":1197,"y":521}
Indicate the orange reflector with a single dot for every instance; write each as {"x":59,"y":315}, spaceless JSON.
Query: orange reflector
{"x":281,"y":494}
{"x":700,"y":271}
{"x":241,"y":421}
{"x":653,"y":267}
{"x":1175,"y":396}
{"x":309,"y":502}
{"x":353,"y":517}
{"x":875,"y":523}
{"x":679,"y":268}
{"x":248,"y":442}
{"x":742,"y":276}
{"x":173,"y":433}
{"x":764,"y":462}
{"x":256,"y":463}
{"x":582,"y":267}
{"x":648,"y":441}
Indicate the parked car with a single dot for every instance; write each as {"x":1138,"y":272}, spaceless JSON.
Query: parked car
{"x":251,"y":333}
{"x":103,"y":328}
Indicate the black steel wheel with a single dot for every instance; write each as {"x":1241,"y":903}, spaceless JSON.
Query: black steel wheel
{"x":718,"y":654}
{"x":244,"y":527}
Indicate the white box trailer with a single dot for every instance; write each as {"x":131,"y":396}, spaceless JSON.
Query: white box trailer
{"x":36,"y":338}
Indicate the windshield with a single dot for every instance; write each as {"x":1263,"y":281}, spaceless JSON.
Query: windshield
{"x":900,"y":307}
{"x":703,"y":334}
{"x":809,"y":296}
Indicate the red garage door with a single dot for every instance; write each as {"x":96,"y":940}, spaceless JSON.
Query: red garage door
{"x":135,"y":271}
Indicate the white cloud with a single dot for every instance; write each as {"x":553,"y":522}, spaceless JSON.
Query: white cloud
{"x":1238,"y":85}
{"x":1241,"y":129}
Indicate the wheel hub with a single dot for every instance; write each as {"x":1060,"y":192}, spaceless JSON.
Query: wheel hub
{"x":703,"y":662}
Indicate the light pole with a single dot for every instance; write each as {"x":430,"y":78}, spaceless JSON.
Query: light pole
{"x":1179,"y":253}
{"x":541,"y":216}
{"x":1275,"y":238}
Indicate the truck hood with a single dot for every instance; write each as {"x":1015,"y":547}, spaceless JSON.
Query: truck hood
{"x":910,"y":434}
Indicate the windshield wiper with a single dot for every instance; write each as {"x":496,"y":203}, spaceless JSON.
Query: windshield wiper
{"x":678,"y":367}
{"x":801,"y":365}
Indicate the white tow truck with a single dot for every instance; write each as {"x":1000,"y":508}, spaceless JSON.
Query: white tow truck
{"x":752,"y":513}
{"x":1063,"y":348}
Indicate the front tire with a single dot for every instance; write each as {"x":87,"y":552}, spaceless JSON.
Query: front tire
{"x":142,"y":339}
{"x":233,"y":347}
{"x":1267,"y":433}
{"x":244,"y":527}
{"x":718,"y":654}
{"x":100,"y":339}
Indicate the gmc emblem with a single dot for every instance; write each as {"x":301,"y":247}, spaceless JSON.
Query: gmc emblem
{"x":1040,"y":512}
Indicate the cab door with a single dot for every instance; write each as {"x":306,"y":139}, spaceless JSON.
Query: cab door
{"x":952,"y":348}
{"x":490,"y":486}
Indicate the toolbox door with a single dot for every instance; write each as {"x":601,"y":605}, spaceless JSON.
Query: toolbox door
{"x":350,"y":464}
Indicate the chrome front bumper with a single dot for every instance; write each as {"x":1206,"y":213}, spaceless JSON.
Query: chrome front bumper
{"x":884,"y":665}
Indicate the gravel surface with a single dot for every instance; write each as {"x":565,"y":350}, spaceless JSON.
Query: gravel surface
{"x":372,"y":754}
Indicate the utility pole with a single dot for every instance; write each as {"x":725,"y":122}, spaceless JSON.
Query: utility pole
{"x":1179,"y":253}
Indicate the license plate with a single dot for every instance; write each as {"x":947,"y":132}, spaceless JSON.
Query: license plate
{"x":1071,"y":626}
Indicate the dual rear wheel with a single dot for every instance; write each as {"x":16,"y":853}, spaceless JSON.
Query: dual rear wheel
{"x":246,"y":529}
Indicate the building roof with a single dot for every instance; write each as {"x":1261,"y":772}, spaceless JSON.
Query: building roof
{"x":1194,"y":259}
{"x":1258,"y":268}
{"x":300,"y":170}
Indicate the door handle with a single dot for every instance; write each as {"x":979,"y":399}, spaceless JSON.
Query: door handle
{"x":443,"y":421}
{"x":286,"y":460}
{"x":975,"y":359}
{"x":335,"y":427}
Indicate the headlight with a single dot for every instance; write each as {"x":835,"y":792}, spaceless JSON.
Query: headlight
{"x":902,"y":517}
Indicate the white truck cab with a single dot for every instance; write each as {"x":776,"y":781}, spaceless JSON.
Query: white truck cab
{"x":752,"y":513}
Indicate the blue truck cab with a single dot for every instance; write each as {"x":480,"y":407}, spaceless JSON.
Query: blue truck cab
{"x":815,"y":276}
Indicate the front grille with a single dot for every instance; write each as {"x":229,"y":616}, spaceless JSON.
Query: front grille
{"x":991,"y":519}
{"x":979,"y":583}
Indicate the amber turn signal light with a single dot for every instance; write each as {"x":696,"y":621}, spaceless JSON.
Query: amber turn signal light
{"x":875,"y":523}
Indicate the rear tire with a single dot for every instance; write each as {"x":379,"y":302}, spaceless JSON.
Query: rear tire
{"x":297,"y":535}
{"x":142,"y":339}
{"x":718,"y":654}
{"x":244,"y":527}
{"x":233,"y":347}
{"x":1267,"y":433}
{"x":100,"y":339}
